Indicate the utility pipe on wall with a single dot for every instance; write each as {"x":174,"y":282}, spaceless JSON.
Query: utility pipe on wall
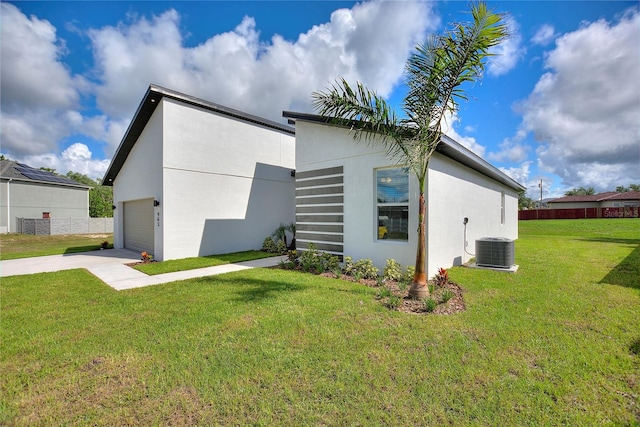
{"x":9,"y":206}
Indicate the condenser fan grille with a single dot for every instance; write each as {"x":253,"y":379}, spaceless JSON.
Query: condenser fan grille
{"x":495,"y":252}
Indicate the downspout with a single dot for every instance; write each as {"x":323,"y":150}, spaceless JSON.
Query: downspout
{"x":9,"y":206}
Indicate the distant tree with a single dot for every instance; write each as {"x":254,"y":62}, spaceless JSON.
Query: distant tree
{"x":634,"y":187}
{"x":525,"y":202}
{"x":101,"y":202}
{"x":53,"y":171}
{"x":621,"y":189}
{"x":100,"y":197}
{"x":581,"y":191}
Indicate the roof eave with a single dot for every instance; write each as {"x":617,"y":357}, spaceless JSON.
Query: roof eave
{"x":147,"y":107}
{"x":448,"y":147}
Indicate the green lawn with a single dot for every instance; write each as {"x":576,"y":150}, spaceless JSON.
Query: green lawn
{"x":25,"y":245}
{"x":557,"y":343}
{"x":200,"y":262}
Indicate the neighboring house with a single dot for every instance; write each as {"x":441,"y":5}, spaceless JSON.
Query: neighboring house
{"x":610,"y":199}
{"x":26,"y":192}
{"x":351,"y":200}
{"x":193,"y":178}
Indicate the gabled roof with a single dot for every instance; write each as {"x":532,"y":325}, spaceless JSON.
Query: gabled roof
{"x":447,"y":147}
{"x":629,"y":195}
{"x":600,"y":197}
{"x":148,"y":105}
{"x":15,"y":171}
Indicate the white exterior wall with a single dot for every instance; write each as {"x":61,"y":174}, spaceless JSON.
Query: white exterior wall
{"x":455,"y":192}
{"x":23,"y":199}
{"x":320,"y":146}
{"x":141,"y":178}
{"x":227,"y":183}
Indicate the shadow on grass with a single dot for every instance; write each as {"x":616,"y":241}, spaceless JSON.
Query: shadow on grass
{"x":635,"y":347}
{"x":76,"y":249}
{"x":627,"y":273}
{"x":257,"y":289}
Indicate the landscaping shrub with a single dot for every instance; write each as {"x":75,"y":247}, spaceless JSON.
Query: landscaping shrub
{"x":348,"y":266}
{"x":442,"y":277}
{"x":269,"y":245}
{"x":393,"y":270}
{"x":408,"y":274}
{"x":365,"y":269}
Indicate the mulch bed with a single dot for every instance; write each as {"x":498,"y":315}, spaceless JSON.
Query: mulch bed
{"x":415,"y":306}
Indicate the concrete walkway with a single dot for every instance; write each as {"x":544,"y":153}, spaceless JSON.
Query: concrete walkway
{"x":109,"y":266}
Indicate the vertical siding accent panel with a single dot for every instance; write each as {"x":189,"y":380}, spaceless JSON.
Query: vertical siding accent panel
{"x":320,"y":209}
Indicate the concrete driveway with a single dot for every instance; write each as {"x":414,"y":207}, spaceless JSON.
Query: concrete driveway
{"x":46,"y":264}
{"x":109,"y":266}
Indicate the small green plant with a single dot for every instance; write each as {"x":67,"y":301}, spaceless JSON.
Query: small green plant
{"x":447,"y":295}
{"x":281,"y":247}
{"x":429,"y":304}
{"x":307,"y":259}
{"x":380,"y":281}
{"x":337,"y":272}
{"x":104,"y":245}
{"x":408,"y":274}
{"x":268,"y":245}
{"x":394,"y":302}
{"x":402,"y":286}
{"x":292,"y":256}
{"x":348,"y":266}
{"x":432,"y":288}
{"x":328,"y":262}
{"x":393,"y":270}
{"x":366,"y":269}
{"x":383,"y":292}
{"x":146,"y":256}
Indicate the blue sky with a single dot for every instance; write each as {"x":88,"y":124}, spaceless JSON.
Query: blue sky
{"x":559,"y":103}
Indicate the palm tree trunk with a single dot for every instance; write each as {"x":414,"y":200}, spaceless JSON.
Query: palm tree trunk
{"x":419,"y":288}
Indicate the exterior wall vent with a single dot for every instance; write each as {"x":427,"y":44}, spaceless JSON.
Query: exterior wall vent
{"x":495,"y":252}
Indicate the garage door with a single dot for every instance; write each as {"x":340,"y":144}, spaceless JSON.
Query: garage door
{"x":138,"y":225}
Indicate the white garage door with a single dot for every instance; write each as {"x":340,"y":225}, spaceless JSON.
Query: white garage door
{"x":138,"y":225}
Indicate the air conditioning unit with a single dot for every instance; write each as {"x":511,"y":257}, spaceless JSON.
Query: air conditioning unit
{"x":495,"y":252}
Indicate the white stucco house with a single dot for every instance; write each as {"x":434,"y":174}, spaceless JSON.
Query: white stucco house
{"x":27,"y":192}
{"x":351,"y":200}
{"x":193,"y":178}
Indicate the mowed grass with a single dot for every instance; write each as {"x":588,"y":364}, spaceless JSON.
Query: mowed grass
{"x":15,"y":245}
{"x":557,"y":343}
{"x":200,"y":262}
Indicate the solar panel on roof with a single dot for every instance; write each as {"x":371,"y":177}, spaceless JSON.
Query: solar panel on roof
{"x":45,"y":176}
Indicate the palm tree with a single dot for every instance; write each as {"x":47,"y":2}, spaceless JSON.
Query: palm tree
{"x":434,"y":74}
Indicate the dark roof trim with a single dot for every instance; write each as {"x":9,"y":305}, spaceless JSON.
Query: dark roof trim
{"x":600,"y":197}
{"x":148,"y":105}
{"x":448,"y":147}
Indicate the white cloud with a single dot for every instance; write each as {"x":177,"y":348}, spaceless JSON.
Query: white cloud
{"x":545,"y":35}
{"x":512,"y":149}
{"x":449,"y":129}
{"x":239,"y":70}
{"x":508,"y":53}
{"x":585,"y":111}
{"x":41,"y":97}
{"x":519,"y":173}
{"x":77,"y":158}
{"x":37,"y":89}
{"x":32,"y":73}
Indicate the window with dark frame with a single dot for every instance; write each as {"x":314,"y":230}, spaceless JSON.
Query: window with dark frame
{"x":392,"y":204}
